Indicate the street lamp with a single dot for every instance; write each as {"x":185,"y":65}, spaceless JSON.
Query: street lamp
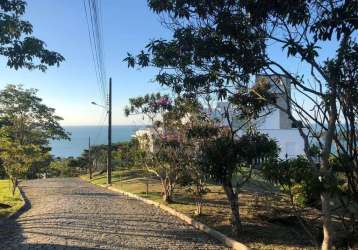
{"x":96,"y":104}
{"x":109,"y":147}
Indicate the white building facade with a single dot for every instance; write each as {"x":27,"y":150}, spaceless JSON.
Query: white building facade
{"x":276,"y":124}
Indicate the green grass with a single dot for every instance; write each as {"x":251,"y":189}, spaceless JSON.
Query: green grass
{"x":258,"y":201}
{"x":15,"y":202}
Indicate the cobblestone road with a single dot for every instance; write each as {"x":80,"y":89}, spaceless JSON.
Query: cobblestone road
{"x":72,"y":214}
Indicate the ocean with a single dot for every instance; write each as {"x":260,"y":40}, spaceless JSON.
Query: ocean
{"x":79,"y":138}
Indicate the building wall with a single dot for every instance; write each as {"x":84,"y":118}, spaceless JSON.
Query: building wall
{"x":277,"y":124}
{"x":289,"y":141}
{"x":277,"y":119}
{"x":145,"y":139}
{"x":269,"y":121}
{"x":284,"y":121}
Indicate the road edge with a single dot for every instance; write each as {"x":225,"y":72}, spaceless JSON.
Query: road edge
{"x":19,"y":210}
{"x":196,"y":224}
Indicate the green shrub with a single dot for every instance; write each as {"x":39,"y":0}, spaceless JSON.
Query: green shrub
{"x":296,"y":177}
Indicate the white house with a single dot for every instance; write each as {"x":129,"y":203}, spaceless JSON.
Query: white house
{"x":275,"y":123}
{"x":146,"y":138}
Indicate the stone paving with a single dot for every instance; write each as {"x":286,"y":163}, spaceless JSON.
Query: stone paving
{"x":73,"y":214}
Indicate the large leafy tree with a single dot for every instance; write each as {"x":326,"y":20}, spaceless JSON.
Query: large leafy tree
{"x":17,"y":44}
{"x":217,"y":47}
{"x":28,"y":125}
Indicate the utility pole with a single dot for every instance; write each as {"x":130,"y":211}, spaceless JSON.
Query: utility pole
{"x":109,"y":149}
{"x":89,"y":158}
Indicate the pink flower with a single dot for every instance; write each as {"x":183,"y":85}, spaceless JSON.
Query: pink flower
{"x":164,"y":101}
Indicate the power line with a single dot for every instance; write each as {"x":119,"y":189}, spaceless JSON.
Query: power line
{"x":99,"y":40}
{"x":93,"y":12}
{"x":91,"y":43}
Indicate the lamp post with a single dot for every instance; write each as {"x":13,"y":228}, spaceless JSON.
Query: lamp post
{"x":109,"y":147}
{"x":89,"y":158}
{"x":99,"y":105}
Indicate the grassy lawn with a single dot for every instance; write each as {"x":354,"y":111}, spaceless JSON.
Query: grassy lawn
{"x":259,"y":201}
{"x":8,"y":203}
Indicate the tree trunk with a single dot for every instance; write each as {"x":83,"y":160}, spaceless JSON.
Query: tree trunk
{"x":167,"y":198}
{"x":90,"y":170}
{"x":199,"y":197}
{"x":167,"y":195}
{"x":234,"y":205}
{"x":199,"y":206}
{"x":327,"y":222}
{"x":325,"y":174}
{"x":14,"y":185}
{"x":146,"y":186}
{"x":167,"y":191}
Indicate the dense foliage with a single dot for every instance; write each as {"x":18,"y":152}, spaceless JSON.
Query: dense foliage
{"x":17,"y":44}
{"x":161,"y":147}
{"x":218,"y":46}
{"x":296,"y":177}
{"x":27,"y":127}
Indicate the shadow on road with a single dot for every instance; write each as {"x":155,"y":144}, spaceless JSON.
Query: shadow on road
{"x":10,"y":231}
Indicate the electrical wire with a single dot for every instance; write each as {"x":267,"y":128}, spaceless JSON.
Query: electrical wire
{"x":93,"y":13}
{"x":94,"y":17}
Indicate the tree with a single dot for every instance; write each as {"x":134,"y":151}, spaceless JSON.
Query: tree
{"x":217,"y":47}
{"x":195,"y":129}
{"x":65,"y":167}
{"x":163,"y":150}
{"x":17,"y":44}
{"x":125,"y":154}
{"x":182,"y":122}
{"x":225,"y":158}
{"x":98,"y":157}
{"x":298,"y":180}
{"x":2,"y":171}
{"x":40,"y":168}
{"x":28,"y":125}
{"x":17,"y":159}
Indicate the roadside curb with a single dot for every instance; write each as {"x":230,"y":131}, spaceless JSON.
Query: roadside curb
{"x":196,"y":224}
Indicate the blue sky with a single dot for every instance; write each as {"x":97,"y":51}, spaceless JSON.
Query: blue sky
{"x":127,"y":25}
